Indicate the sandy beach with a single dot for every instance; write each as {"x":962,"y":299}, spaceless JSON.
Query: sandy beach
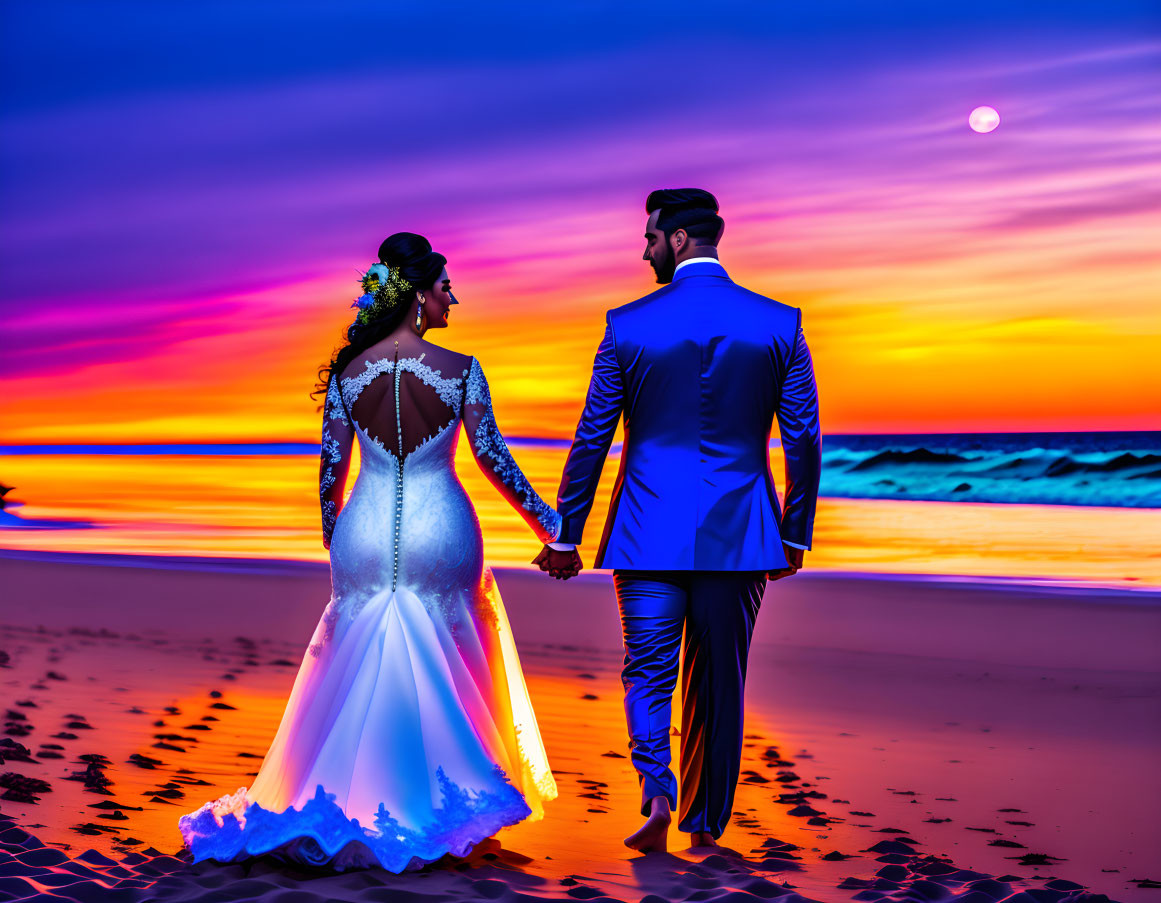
{"x":908,"y":738}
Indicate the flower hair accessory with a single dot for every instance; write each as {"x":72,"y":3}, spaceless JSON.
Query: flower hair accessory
{"x":383,"y":291}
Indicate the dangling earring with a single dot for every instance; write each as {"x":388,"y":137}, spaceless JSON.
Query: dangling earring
{"x":419,"y":315}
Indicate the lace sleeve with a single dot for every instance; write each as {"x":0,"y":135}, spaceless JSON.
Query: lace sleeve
{"x":496,"y":460}
{"x":335,"y":460}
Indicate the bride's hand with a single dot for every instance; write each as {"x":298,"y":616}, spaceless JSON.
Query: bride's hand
{"x":561,"y":565}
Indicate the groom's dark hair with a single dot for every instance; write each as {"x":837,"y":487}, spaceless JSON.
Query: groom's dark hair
{"x":692,"y":209}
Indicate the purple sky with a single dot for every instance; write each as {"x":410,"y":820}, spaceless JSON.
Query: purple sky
{"x":176,"y":174}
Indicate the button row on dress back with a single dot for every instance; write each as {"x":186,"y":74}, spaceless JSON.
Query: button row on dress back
{"x":396,"y":374}
{"x":399,"y":475}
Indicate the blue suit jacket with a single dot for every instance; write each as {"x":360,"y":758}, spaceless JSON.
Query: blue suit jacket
{"x":699,"y":369}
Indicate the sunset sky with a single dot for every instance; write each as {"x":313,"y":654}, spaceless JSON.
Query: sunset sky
{"x":186,"y":192}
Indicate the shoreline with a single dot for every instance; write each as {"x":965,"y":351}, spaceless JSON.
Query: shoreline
{"x":1148,"y":593}
{"x":957,"y":621}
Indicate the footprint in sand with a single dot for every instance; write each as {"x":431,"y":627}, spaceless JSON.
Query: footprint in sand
{"x":11,"y":751}
{"x":21,"y":789}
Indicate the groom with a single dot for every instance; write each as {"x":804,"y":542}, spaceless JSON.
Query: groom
{"x":699,"y":369}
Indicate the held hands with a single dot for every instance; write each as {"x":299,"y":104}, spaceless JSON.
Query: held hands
{"x":794,"y":558}
{"x":561,"y":565}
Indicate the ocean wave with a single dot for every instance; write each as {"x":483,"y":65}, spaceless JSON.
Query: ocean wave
{"x":1067,"y":469}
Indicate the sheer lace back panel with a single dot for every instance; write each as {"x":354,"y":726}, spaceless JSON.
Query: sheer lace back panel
{"x":401,"y":404}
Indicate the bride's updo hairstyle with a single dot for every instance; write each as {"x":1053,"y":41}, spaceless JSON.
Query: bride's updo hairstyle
{"x":419,"y":265}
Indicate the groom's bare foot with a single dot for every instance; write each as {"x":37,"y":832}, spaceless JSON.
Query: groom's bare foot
{"x":702,"y":839}
{"x":653,"y":835}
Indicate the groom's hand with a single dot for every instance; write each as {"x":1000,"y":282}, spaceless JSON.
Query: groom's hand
{"x":794,"y":556}
{"x":561,"y":565}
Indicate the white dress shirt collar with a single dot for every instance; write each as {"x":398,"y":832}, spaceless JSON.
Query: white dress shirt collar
{"x":697,"y":260}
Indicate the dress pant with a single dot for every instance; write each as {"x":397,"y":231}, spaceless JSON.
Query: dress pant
{"x":706,"y":620}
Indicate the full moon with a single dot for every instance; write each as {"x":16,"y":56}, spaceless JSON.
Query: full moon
{"x":983,"y":119}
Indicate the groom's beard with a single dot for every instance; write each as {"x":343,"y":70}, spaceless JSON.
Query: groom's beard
{"x":665,"y":268}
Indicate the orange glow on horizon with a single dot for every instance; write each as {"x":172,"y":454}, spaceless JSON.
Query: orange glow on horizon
{"x":908,"y":335}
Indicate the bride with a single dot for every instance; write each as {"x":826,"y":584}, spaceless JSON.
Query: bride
{"x":409,"y":733}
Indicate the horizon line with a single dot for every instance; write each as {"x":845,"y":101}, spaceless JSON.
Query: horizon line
{"x":280,"y":447}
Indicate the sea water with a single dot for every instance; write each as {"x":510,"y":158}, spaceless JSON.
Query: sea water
{"x":1056,"y":506}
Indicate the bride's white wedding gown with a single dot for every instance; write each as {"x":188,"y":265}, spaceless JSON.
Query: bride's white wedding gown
{"x":409,"y":732}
